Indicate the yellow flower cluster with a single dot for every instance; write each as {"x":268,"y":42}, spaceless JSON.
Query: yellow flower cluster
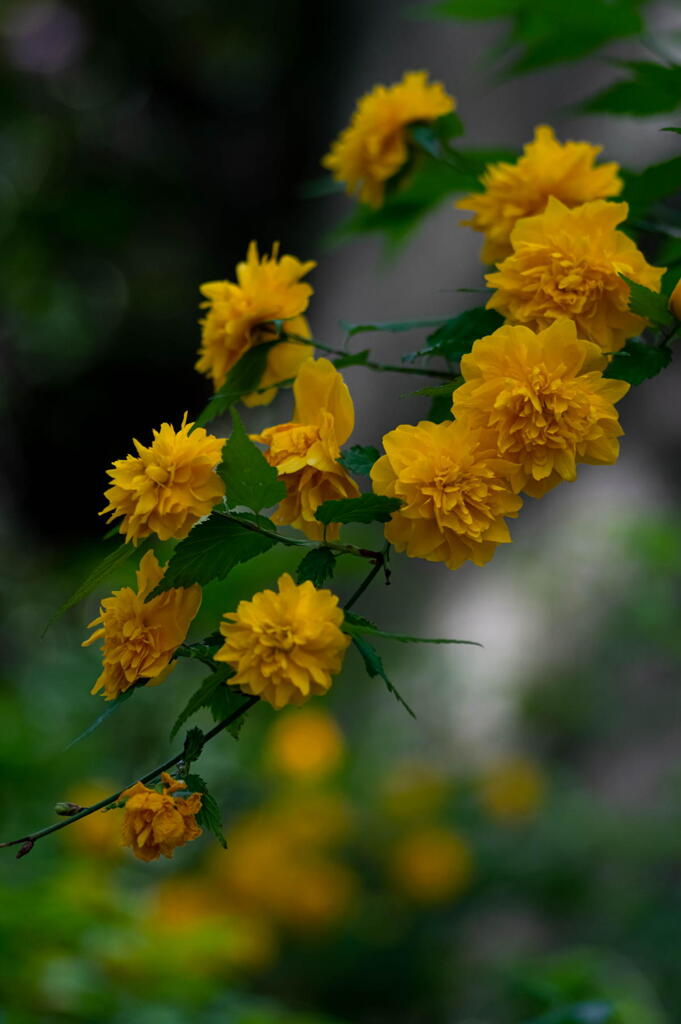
{"x":284,"y":646}
{"x":374,"y":146}
{"x":240,"y":315}
{"x":306,"y":450}
{"x":546,"y":168}
{"x":140,"y":637}
{"x":166,"y":488}
{"x":156,"y":823}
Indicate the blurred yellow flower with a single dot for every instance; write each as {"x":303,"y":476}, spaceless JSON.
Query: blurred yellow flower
{"x":675,"y":300}
{"x":306,"y":450}
{"x":568,"y":262}
{"x":306,"y":745}
{"x":375,"y":145}
{"x":284,"y":646}
{"x":546,"y":168}
{"x":545,"y":398}
{"x":455,"y":488}
{"x":240,"y":315}
{"x":156,"y":823}
{"x":98,"y":834}
{"x":432,"y":865}
{"x":513,"y":790}
{"x":166,"y":488}
{"x":139,"y":638}
{"x":414,"y":790}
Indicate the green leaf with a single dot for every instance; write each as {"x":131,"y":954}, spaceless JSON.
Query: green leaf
{"x":113,"y":561}
{"x":113,"y":705}
{"x":391,"y":326}
{"x":193,"y":745}
{"x":440,"y":390}
{"x":352,"y":359}
{"x":213,"y":548}
{"x":202,"y":697}
{"x":359,"y":458}
{"x":553,"y":32}
{"x":374,"y":666}
{"x":242,"y":379}
{"x":318,"y":566}
{"x":209,"y":817}
{"x":224,"y":702}
{"x":650,"y":89}
{"x":420,"y":190}
{"x":440,"y":409}
{"x":454,"y":338}
{"x":651,"y":305}
{"x":650,"y":186}
{"x":356,"y":625}
{"x":637,"y":362}
{"x":249,"y":478}
{"x":369,"y":508}
{"x":672,"y":129}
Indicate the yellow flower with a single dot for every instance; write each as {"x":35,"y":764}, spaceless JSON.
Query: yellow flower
{"x":455,"y":488}
{"x":375,"y":146}
{"x":306,"y":745}
{"x":155,"y":823}
{"x":546,"y":168}
{"x":545,"y":398}
{"x":568,"y":263}
{"x":166,"y":488}
{"x":305,"y":451}
{"x":513,"y":791}
{"x":432,"y":865}
{"x":284,"y":647}
{"x":140,"y":638}
{"x":675,"y":300}
{"x":239,"y":316}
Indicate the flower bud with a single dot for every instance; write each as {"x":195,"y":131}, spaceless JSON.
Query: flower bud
{"x":675,"y":300}
{"x":66,"y":808}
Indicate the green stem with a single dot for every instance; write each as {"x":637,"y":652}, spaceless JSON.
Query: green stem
{"x":341,"y":549}
{"x":370,"y":364}
{"x":380,"y":563}
{"x":149,"y":777}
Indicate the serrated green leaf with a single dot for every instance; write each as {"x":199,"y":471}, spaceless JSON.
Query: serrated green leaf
{"x":209,"y":817}
{"x":390,"y":326}
{"x":359,"y":458}
{"x":213,"y":548}
{"x":637,"y":362}
{"x":651,"y":305}
{"x":440,"y":390}
{"x":249,"y":478}
{"x":650,"y":89}
{"x":352,"y":359}
{"x":455,"y":338}
{"x":642,"y":190}
{"x":440,"y":409}
{"x":193,"y":745}
{"x":374,"y":666}
{"x":202,"y":697}
{"x":369,"y":508}
{"x":318,"y":566}
{"x":242,"y":379}
{"x":113,"y":561}
{"x":357,"y":625}
{"x":224,"y":701}
{"x":113,"y":705}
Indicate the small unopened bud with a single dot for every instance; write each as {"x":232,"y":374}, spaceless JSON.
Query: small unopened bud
{"x":26,"y":848}
{"x":675,"y":300}
{"x":66,"y":808}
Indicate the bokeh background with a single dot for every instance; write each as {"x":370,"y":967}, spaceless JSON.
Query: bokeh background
{"x":516,"y":849}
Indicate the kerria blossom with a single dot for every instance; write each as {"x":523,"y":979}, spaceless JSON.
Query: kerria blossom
{"x":455,"y":488}
{"x":167,"y":487}
{"x":157,"y":823}
{"x":547,"y":167}
{"x":569,"y":263}
{"x":140,"y":637}
{"x":241,"y":314}
{"x":305,"y":451}
{"x":285,"y":645}
{"x":375,"y":144}
{"x":545,"y":398}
